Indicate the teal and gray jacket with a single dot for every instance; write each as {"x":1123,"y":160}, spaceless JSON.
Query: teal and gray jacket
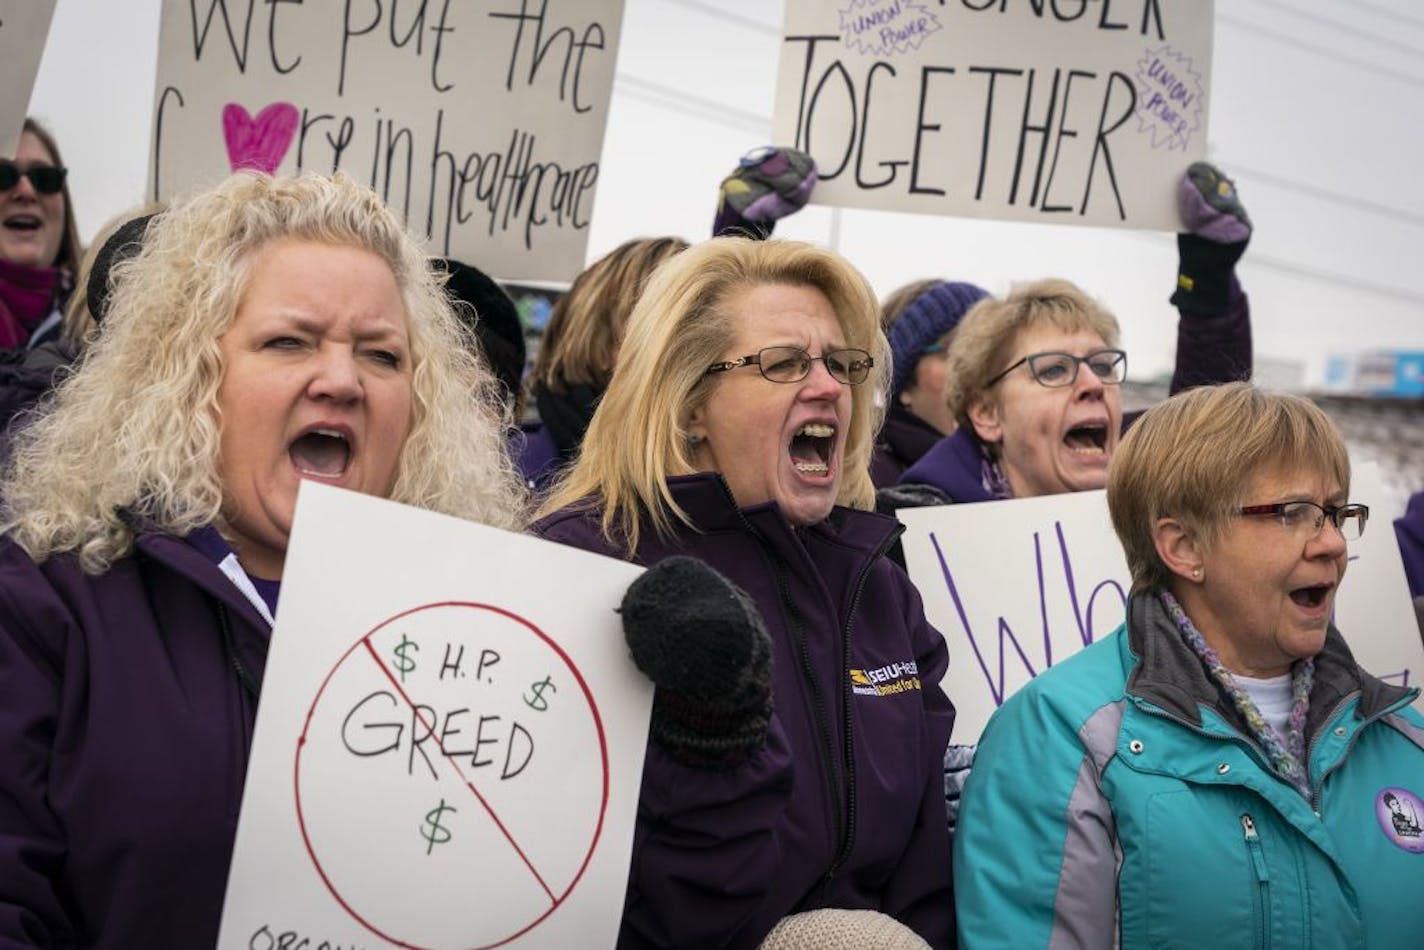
{"x":1117,"y":799}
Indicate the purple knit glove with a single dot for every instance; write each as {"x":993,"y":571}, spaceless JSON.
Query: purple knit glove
{"x":768,"y":184}
{"x":1210,"y":206}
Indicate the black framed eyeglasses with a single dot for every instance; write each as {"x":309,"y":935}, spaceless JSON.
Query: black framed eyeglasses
{"x":1305,"y":518}
{"x":1055,"y":369}
{"x":791,"y":364}
{"x":45,"y":179}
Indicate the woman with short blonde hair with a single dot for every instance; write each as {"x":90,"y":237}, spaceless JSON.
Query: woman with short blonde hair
{"x":985,"y":337}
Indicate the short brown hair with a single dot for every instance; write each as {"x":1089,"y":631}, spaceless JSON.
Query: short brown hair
{"x":984,"y":339}
{"x":1195,"y":456}
{"x":586,"y":324}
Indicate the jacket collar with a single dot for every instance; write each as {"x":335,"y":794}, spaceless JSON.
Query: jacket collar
{"x":182,"y":558}
{"x":708,"y":500}
{"x":954,"y":465}
{"x":1168,"y":674}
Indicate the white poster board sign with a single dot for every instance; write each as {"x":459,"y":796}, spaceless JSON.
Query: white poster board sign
{"x":1074,"y":113}
{"x":446,"y":756}
{"x":1016,"y":586}
{"x":480,"y":122}
{"x":24,"y":25}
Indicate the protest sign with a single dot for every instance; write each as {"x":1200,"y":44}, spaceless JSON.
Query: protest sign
{"x":480,"y":122}
{"x":24,"y":25}
{"x":1059,"y":111}
{"x":1017,"y":586}
{"x":445,"y":755}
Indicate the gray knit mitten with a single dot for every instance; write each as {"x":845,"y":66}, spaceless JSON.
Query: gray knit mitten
{"x":700,"y":639}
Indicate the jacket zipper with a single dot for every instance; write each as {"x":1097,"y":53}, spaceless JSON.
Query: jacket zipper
{"x":848,"y":843}
{"x":818,"y":703}
{"x":1263,"y":882}
{"x":844,"y":807}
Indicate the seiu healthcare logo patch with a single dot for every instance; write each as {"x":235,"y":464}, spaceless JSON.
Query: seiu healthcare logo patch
{"x":888,"y":680}
{"x":1400,"y":813}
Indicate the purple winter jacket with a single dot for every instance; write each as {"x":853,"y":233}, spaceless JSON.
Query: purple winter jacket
{"x":125,"y":732}
{"x":844,"y":807}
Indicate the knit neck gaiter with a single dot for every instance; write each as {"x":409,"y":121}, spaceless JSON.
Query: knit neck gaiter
{"x":27,"y":295}
{"x":1287,"y":753}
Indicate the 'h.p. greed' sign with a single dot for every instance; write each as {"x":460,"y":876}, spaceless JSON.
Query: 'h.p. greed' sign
{"x":480,"y":122}
{"x":1069,"y":111}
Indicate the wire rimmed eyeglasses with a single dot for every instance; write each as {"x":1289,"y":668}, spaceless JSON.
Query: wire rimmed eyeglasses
{"x":1053,"y":368}
{"x":791,"y":364}
{"x":45,"y":179}
{"x":1306,"y":518}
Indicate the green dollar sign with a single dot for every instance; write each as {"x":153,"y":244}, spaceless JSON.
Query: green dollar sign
{"x":405,"y":664}
{"x":538,"y":703}
{"x":432,"y":831}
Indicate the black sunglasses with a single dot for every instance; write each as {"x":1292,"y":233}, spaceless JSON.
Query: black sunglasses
{"x":45,"y":179}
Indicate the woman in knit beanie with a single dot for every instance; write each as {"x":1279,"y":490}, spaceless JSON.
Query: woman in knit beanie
{"x":919,"y":319}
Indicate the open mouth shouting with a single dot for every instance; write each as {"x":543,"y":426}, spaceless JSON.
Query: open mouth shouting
{"x":323,"y":453}
{"x":811,"y":448}
{"x":1314,"y":599}
{"x":1088,"y":440}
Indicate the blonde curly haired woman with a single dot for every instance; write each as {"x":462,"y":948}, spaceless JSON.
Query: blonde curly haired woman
{"x":267,"y":332}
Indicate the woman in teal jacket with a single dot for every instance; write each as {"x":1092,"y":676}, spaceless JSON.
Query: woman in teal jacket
{"x":1218,"y":772}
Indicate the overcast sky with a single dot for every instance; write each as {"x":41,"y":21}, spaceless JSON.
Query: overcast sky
{"x":1314,"y":111}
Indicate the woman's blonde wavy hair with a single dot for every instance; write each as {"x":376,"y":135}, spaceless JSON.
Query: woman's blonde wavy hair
{"x":133,"y":436}
{"x":681,"y":325}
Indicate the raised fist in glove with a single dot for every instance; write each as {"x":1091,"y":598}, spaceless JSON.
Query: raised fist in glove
{"x":1217,"y":231}
{"x":768,"y":184}
{"x":701,"y":641}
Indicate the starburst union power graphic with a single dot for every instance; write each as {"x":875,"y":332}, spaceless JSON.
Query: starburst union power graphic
{"x":883,"y":27}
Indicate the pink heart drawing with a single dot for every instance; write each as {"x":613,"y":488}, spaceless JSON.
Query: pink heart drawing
{"x":259,"y":144}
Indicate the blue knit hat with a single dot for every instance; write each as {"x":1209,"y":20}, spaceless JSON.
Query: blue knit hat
{"x":928,"y":318}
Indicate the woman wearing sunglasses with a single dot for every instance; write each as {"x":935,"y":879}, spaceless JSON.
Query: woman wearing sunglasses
{"x":798,"y":725}
{"x":39,"y":245}
{"x":1218,"y":772}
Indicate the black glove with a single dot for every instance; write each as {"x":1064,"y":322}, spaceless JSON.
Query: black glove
{"x":701,"y":641}
{"x":1217,"y":232}
{"x":768,"y":183}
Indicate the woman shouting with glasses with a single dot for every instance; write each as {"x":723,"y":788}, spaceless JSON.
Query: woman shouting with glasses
{"x":39,"y":245}
{"x":1218,"y":772}
{"x":798,"y":724}
{"x":1034,"y":380}
{"x":1030,"y":421}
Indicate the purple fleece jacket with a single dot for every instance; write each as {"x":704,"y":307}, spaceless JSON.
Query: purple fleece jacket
{"x":844,"y":806}
{"x":125,"y":733}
